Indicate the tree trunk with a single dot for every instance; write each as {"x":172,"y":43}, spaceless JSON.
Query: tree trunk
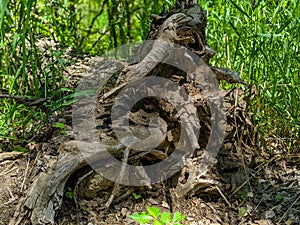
{"x":177,"y":55}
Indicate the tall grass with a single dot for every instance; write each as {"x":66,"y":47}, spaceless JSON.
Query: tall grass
{"x":260,"y":39}
{"x":14,"y":59}
{"x":90,"y":26}
{"x":21,"y":70}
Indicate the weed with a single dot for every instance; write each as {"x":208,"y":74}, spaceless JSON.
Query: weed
{"x":242,"y":211}
{"x":69,"y":194}
{"x":61,"y":126}
{"x":261,"y":40}
{"x":157,"y":217}
{"x":136,"y":196}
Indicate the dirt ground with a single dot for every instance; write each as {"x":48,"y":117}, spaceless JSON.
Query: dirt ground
{"x":255,"y":186}
{"x":267,"y":192}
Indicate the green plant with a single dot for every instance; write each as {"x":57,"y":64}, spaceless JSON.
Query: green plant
{"x":242,"y":211}
{"x":157,"y":217}
{"x":260,"y":39}
{"x":242,"y":196}
{"x":29,"y":70}
{"x":136,"y":196}
{"x":69,"y":194}
{"x":278,"y":197}
{"x":20,"y":149}
{"x":84,"y":211}
{"x":25,"y":70}
{"x":61,"y":126}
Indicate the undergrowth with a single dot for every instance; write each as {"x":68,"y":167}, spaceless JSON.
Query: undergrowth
{"x":260,"y":39}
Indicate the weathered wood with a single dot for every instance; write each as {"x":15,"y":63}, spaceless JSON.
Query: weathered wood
{"x":9,"y":155}
{"x":183,"y":27}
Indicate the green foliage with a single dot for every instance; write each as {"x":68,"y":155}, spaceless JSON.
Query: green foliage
{"x":91,"y":26}
{"x":154,"y":214}
{"x":136,"y":196}
{"x":261,"y":40}
{"x":61,"y":126}
{"x":242,"y":211}
{"x":69,"y":194}
{"x":22,"y":72}
{"x":20,"y":149}
{"x":17,"y":123}
{"x":278,"y":197}
{"x":153,"y":211}
{"x":258,"y":38}
{"x":142,"y":217}
{"x":242,"y":196}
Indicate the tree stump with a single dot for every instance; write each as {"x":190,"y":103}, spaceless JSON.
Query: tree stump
{"x":184,"y":137}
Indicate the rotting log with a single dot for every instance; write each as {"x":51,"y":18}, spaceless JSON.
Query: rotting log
{"x":183,"y":29}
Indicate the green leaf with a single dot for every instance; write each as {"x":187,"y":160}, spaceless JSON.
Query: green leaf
{"x":239,"y":8}
{"x":242,"y":211}
{"x":20,"y":149}
{"x":154,"y":211}
{"x":168,"y":3}
{"x":178,"y":217}
{"x":69,"y":193}
{"x":278,"y":197}
{"x":136,"y":196}
{"x":157,"y":222}
{"x":166,"y":217}
{"x":66,"y":89}
{"x":142,"y":217}
{"x":59,"y":125}
{"x":243,"y":195}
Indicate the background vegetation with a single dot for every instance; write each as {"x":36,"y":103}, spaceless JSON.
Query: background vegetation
{"x":260,"y":39}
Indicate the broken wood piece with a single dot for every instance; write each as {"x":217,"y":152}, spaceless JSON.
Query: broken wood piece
{"x":10,"y":155}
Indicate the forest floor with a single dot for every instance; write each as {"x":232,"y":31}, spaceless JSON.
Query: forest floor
{"x":267,"y":193}
{"x":255,"y":186}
